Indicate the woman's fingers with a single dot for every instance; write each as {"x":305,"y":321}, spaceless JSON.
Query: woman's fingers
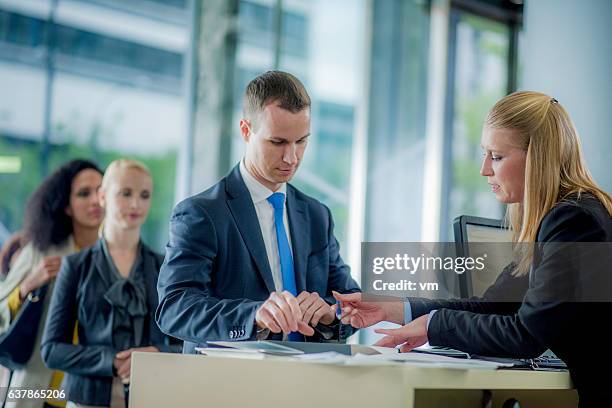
{"x":405,"y":348}
{"x":347,"y":297}
{"x":390,"y":332}
{"x":387,"y":341}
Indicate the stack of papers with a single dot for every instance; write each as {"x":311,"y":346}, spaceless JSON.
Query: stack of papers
{"x":364,"y":355}
{"x":428,"y":360}
{"x":394,"y":358}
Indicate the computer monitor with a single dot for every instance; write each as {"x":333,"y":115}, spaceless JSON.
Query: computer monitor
{"x":473,"y":230}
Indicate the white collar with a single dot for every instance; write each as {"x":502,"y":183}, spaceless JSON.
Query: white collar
{"x":258,"y":191}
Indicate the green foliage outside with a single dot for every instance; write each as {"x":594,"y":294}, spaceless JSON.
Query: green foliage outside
{"x":470,"y":112}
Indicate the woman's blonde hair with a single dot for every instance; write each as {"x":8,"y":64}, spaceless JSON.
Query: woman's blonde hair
{"x":119,"y":165}
{"x":554,"y":166}
{"x":113,"y":169}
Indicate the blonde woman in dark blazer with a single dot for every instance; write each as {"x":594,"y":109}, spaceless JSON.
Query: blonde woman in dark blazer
{"x":562,"y":222}
{"x":110,"y":289}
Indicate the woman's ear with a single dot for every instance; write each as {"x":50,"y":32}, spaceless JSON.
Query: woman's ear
{"x":102,"y":198}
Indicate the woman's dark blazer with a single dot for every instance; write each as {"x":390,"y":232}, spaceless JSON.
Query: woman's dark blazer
{"x":79,"y":296}
{"x":573,"y":330}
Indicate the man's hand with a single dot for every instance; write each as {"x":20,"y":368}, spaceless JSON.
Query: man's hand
{"x":281,"y":312}
{"x":412,"y":335}
{"x":359,"y":313}
{"x":43,"y":272}
{"x":123,"y":362}
{"x":315,"y":309}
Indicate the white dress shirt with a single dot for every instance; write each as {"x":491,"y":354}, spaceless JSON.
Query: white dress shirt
{"x":265,"y":215}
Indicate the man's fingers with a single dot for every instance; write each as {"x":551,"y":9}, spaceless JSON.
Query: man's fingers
{"x":305,"y":329}
{"x":268,"y":321}
{"x":324,"y":310}
{"x":294,"y":305}
{"x":302,"y":296}
{"x":307,"y":303}
{"x":308,"y":314}
{"x":283,"y":307}
{"x":279,"y":317}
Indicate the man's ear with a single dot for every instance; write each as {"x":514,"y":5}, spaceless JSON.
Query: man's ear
{"x":245,"y":131}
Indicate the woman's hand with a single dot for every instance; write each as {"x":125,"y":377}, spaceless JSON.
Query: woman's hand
{"x":46,"y":270}
{"x":412,"y":335}
{"x":123,"y":362}
{"x":359,"y":313}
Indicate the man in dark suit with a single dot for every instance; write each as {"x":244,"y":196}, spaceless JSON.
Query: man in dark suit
{"x":253,"y":257}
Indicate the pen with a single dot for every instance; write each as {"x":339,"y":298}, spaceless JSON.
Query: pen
{"x":338,"y":310}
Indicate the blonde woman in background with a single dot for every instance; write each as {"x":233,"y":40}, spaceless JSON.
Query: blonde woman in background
{"x":110,"y":289}
{"x":558,"y":214}
{"x":62,"y":217}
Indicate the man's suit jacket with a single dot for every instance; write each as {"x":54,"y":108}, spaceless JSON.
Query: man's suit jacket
{"x":544,"y":319}
{"x":216,"y":272}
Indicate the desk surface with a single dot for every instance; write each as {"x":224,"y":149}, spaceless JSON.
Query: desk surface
{"x":161,"y":379}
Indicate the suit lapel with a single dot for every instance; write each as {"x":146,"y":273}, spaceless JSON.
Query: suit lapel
{"x":242,"y":209}
{"x":299,"y":225}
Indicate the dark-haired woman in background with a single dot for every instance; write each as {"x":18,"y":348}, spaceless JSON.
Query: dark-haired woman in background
{"x":62,"y":217}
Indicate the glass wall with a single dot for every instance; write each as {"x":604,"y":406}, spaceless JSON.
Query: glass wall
{"x":80,"y":80}
{"x":478,"y":76}
{"x":321,"y":42}
{"x":397,"y":120}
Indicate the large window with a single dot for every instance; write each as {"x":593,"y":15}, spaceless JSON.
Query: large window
{"x":481,"y":62}
{"x":321,"y":42}
{"x":93,"y":90}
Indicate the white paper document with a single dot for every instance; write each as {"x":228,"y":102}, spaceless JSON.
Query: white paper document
{"x":426,"y":360}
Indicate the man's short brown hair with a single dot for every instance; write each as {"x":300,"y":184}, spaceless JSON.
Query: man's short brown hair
{"x":274,"y":86}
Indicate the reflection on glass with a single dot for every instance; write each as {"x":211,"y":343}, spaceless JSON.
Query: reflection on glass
{"x":321,"y":43}
{"x":481,"y":77}
{"x":108,"y":92}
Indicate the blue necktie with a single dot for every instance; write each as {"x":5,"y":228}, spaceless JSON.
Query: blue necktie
{"x":284,"y":252}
